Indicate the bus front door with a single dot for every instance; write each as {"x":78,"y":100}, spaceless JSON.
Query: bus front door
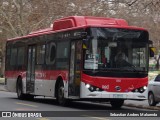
{"x":75,"y":67}
{"x":30,"y":70}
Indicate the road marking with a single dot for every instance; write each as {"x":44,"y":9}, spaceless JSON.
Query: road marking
{"x":26,"y":109}
{"x":99,"y":118}
{"x":26,"y":104}
{"x":43,"y":119}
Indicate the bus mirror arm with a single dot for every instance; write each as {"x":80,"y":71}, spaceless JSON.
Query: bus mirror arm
{"x":150,"y":42}
{"x":83,"y":34}
{"x":151,"y":48}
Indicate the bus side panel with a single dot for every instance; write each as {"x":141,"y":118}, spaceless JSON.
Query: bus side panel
{"x":45,"y":87}
{"x":45,"y":81}
{"x":12,"y":77}
{"x":11,"y":84}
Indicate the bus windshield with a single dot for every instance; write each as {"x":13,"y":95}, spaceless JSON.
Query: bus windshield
{"x":116,"y":49}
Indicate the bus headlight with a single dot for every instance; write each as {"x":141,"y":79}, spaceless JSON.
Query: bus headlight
{"x":88,"y":85}
{"x":97,"y":89}
{"x":145,"y":87}
{"x":141,"y":89}
{"x":93,"y":88}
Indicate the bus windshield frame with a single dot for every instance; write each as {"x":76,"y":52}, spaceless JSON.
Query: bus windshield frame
{"x":103,"y":45}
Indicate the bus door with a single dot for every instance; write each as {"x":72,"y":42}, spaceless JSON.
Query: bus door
{"x":75,"y":69}
{"x":30,"y":70}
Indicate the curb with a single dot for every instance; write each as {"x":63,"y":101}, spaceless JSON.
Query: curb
{"x":142,"y":106}
{"x":2,"y":87}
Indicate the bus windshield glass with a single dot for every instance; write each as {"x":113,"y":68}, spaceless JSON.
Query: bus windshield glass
{"x":116,"y":49}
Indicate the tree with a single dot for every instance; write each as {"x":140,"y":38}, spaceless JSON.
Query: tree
{"x":20,"y":17}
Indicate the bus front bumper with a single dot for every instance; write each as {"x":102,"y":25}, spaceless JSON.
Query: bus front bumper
{"x":85,"y":93}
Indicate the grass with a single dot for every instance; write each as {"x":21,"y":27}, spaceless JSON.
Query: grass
{"x":2,"y":80}
{"x":153,"y":74}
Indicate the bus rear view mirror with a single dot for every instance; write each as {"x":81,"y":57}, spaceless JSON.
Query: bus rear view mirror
{"x":151,"y":48}
{"x":152,"y":51}
{"x":86,"y":42}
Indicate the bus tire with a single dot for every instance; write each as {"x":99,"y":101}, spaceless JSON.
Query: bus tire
{"x":20,"y":93}
{"x":19,"y":89}
{"x":116,"y":103}
{"x":60,"y":94}
{"x":28,"y":97}
{"x":151,"y":99}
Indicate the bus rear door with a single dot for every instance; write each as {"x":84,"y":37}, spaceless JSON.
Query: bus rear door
{"x":75,"y":68}
{"x":30,"y":70}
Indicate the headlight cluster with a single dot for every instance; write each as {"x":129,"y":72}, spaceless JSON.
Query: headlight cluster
{"x":141,"y":89}
{"x":93,"y":88}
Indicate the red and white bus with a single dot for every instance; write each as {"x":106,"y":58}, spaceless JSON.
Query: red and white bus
{"x":76,"y":60}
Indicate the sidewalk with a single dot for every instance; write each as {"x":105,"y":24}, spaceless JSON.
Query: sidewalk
{"x":2,"y":80}
{"x":141,"y":104}
{"x":2,"y":84}
{"x":2,"y":87}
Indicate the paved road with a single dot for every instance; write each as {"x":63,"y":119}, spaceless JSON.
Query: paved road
{"x":95,"y":111}
{"x":130,"y":103}
{"x":9,"y":102}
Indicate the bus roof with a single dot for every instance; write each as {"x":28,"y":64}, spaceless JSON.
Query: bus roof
{"x":74,"y":22}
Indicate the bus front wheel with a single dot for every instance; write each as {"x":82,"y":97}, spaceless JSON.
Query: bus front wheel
{"x":117,"y":103}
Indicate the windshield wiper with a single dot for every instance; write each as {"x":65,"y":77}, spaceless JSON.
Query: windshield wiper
{"x":126,"y":68}
{"x":129,"y":68}
{"x":109,"y":69}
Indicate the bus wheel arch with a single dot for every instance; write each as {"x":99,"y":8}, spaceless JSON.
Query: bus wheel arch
{"x":19,"y":90}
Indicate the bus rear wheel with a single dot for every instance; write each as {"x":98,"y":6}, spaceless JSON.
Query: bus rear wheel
{"x":117,"y":103}
{"x":60,"y":94}
{"x":20,"y":94}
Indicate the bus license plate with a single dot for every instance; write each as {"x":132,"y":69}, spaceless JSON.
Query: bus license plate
{"x":118,"y":96}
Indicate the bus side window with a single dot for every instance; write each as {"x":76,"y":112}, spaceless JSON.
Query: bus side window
{"x":40,"y":54}
{"x":20,"y":56}
{"x":13,"y":59}
{"x":50,"y":53}
{"x":62,"y":55}
{"x":8,"y":56}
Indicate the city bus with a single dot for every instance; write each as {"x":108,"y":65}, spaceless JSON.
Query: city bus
{"x":76,"y":59}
